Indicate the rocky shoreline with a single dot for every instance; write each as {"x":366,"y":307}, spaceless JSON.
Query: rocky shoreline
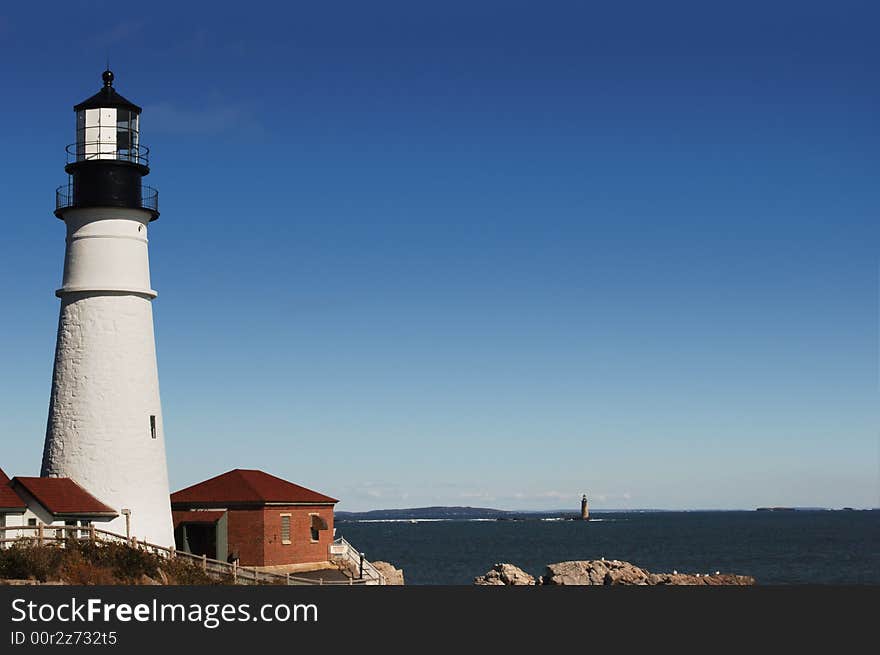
{"x":602,"y":572}
{"x":392,"y":574}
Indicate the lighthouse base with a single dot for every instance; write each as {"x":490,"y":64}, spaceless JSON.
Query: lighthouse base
{"x":105,"y":427}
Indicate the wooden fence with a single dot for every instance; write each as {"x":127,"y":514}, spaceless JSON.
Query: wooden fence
{"x":59,"y":535}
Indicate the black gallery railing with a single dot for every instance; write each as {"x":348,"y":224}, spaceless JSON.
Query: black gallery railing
{"x":65,"y":198}
{"x":104,"y":150}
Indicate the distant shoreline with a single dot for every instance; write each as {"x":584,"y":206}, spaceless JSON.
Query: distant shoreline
{"x":433,"y":514}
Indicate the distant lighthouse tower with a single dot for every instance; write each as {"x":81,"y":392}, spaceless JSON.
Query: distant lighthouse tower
{"x":585,"y":509}
{"x":105,"y":426}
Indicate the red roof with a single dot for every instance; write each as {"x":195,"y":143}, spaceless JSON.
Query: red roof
{"x":196,"y":517}
{"x":249,"y":487}
{"x":8,"y":498}
{"x":63,"y":497}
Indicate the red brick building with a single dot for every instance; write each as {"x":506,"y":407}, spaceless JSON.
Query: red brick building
{"x":264,"y":520}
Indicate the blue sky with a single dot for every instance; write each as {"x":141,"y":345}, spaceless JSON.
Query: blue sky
{"x":484,"y":253}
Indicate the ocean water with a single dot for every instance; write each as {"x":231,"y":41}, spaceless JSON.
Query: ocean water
{"x":803,"y":547}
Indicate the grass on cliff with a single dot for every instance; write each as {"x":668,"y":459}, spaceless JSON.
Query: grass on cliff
{"x":85,"y":563}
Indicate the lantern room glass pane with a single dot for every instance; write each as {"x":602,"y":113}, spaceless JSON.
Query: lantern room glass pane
{"x":96,"y":134}
{"x":80,"y":135}
{"x":108,"y":133}
{"x":126,"y":134}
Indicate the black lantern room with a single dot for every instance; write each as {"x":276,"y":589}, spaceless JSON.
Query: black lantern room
{"x":107,"y":162}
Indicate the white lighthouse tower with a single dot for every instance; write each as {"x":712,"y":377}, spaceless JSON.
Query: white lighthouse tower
{"x":105,"y":426}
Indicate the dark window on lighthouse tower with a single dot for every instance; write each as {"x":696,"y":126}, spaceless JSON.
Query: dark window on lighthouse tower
{"x":153,"y":426}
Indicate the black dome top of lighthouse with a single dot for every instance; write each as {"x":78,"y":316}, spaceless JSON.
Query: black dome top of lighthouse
{"x":107,"y":97}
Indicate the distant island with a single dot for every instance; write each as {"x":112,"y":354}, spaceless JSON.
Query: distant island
{"x":458,"y":513}
{"x":797,"y":509}
{"x":434,"y":513}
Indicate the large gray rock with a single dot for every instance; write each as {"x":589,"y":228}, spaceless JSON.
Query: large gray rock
{"x":594,"y":572}
{"x":505,"y":574}
{"x":572,"y":573}
{"x":688,"y":579}
{"x":617,"y":572}
{"x":393,"y":576}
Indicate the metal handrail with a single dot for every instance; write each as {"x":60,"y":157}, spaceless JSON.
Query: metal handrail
{"x":64,"y":197}
{"x":137,"y":154}
{"x":353,"y":555}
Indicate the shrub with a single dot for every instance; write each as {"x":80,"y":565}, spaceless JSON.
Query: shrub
{"x":128,"y":564}
{"x":101,"y":563}
{"x":26,"y":560}
{"x":185,"y":572}
{"x":78,"y":570}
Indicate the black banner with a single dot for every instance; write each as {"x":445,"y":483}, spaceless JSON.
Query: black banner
{"x":223,"y":617}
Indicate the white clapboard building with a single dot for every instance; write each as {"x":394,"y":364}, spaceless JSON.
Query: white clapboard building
{"x":49,"y":502}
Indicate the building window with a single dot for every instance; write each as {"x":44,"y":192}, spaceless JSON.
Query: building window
{"x":153,"y":426}
{"x":316,"y":524}
{"x":285,"y":528}
{"x":32,"y":523}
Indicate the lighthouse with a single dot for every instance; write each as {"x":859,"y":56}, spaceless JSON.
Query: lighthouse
{"x":585,"y":508}
{"x":105,"y":428}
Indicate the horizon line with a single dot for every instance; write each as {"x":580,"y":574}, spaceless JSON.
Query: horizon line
{"x":622,"y":509}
